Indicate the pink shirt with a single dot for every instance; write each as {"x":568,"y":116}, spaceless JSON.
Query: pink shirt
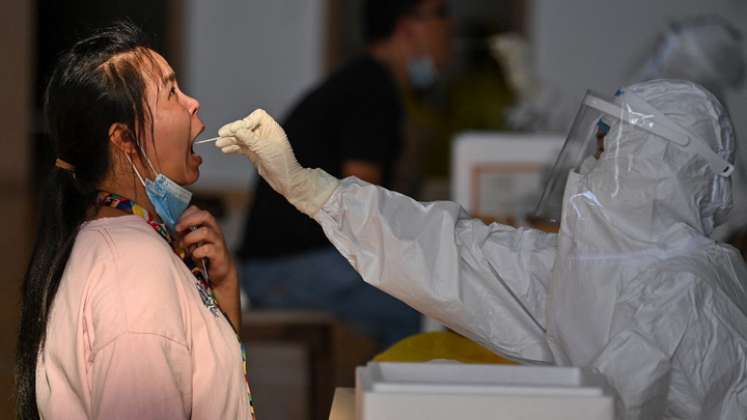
{"x":129,"y":337}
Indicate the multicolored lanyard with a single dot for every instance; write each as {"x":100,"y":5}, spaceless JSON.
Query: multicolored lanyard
{"x":201,"y":282}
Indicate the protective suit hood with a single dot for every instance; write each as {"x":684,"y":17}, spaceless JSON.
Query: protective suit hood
{"x":647,"y":185}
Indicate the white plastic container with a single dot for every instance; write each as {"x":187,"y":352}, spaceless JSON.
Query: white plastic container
{"x":453,"y":391}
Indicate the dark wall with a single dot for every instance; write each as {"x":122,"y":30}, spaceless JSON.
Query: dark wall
{"x":59,"y":24}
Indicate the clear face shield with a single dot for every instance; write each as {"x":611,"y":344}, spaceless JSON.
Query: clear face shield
{"x":597,"y":120}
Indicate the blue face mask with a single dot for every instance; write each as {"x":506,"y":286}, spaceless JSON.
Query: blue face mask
{"x":422,"y":72}
{"x":168,"y":198}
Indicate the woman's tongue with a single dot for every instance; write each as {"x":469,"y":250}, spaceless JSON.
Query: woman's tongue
{"x":195,"y":158}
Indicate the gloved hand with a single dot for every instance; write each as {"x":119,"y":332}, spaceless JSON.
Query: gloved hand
{"x":264,"y":142}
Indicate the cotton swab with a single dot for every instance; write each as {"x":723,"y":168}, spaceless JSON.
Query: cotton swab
{"x":214,"y":139}
{"x":207,"y":140}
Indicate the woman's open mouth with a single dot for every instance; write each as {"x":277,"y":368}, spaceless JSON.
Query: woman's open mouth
{"x":197,"y":159}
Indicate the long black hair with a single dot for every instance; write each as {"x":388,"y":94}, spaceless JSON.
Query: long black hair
{"x":97,"y":83}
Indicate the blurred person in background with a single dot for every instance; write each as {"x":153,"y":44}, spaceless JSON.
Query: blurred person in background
{"x":350,"y":125}
{"x":473,"y":96}
{"x":706,"y":50}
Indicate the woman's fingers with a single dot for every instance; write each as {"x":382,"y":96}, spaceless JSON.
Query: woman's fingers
{"x":209,"y":251}
{"x":200,"y":235}
{"x":190,"y":210}
{"x":193,"y":216}
{"x":203,"y":236}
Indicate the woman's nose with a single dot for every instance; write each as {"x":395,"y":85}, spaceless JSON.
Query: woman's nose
{"x":193,"y":105}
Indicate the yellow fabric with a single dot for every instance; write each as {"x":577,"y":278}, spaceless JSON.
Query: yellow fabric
{"x":439,"y":345}
{"x":475,"y":101}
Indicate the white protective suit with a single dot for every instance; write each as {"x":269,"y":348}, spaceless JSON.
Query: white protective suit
{"x":631,"y":285}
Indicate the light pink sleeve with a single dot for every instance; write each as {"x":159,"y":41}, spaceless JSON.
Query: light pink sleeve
{"x":141,"y":376}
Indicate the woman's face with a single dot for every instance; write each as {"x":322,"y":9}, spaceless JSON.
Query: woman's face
{"x":175,"y":125}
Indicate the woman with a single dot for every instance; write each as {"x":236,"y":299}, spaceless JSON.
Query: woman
{"x":119,"y":319}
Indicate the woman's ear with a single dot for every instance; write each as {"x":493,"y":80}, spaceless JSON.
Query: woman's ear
{"x":121,"y":138}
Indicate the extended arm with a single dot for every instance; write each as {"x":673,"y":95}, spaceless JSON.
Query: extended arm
{"x":486,"y":282}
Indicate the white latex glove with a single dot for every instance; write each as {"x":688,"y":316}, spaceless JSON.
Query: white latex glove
{"x":264,"y":142}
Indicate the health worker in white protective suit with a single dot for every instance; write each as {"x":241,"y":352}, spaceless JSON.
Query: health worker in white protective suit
{"x":632,"y":285}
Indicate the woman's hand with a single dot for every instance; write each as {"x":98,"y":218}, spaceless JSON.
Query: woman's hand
{"x":201,"y":234}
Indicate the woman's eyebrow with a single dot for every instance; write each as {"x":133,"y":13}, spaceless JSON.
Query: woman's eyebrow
{"x":171,"y":77}
{"x":165,"y":80}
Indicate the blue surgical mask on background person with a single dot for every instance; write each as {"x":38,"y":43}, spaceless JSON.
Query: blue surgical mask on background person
{"x":422,"y":72}
{"x":169,"y":199}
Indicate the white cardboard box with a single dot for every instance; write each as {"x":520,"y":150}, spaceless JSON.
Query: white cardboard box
{"x":453,"y":391}
{"x":500,"y":176}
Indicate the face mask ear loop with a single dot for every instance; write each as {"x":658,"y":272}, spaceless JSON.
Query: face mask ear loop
{"x":147,"y":160}
{"x":142,"y":181}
